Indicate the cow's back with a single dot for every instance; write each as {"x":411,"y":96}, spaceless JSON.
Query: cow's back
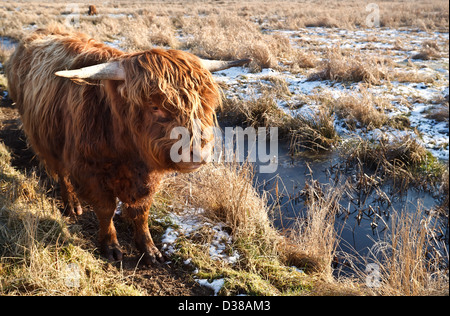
{"x":45,"y":101}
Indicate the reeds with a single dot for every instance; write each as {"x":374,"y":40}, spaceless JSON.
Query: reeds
{"x":410,"y":262}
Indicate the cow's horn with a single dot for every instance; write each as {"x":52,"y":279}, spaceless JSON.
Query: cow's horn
{"x":110,"y":70}
{"x":216,"y":65}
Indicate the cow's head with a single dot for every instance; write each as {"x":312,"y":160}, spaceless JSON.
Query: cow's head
{"x":154,"y":92}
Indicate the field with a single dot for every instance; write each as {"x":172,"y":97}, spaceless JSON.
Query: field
{"x":363,"y":83}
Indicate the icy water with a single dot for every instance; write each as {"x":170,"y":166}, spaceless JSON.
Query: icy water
{"x":364,"y":218}
{"x":7,"y":42}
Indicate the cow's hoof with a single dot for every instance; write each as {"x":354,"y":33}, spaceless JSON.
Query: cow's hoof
{"x":112,"y":252}
{"x":152,"y":256}
{"x":72,"y":212}
{"x":78,"y":210}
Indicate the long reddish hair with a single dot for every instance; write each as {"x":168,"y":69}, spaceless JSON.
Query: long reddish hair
{"x":69,"y":123}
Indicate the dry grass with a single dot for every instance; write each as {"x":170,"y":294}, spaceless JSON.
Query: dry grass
{"x":4,"y":54}
{"x":430,"y":50}
{"x":409,"y":263}
{"x":226,"y":193}
{"x":221,"y":30}
{"x":405,"y":150}
{"x":413,"y":14}
{"x":361,"y":109}
{"x":439,"y":110}
{"x":444,"y":190}
{"x":315,"y":233}
{"x":259,"y":111}
{"x":37,"y":247}
{"x":351,"y":67}
{"x":229,"y":36}
{"x":301,"y":59}
{"x":402,"y":160}
{"x":314,"y":133}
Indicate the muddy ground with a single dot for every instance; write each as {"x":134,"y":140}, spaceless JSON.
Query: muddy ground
{"x":163,"y":279}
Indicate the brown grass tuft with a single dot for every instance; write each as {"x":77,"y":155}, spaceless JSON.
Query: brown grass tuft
{"x":430,"y":50}
{"x":313,"y":133}
{"x":339,"y":66}
{"x":315,"y":234}
{"x":409,"y":265}
{"x":361,"y":108}
{"x":402,"y":160}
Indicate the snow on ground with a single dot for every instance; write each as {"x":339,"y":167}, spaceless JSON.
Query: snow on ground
{"x":189,"y":222}
{"x":215,"y":285}
{"x":397,"y":45}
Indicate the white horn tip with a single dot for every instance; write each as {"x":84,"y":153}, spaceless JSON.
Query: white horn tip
{"x":109,"y":70}
{"x":64,"y":73}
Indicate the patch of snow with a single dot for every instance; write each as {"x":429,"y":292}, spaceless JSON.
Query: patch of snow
{"x":191,"y":221}
{"x":120,"y":15}
{"x":117,"y":43}
{"x":215,"y":285}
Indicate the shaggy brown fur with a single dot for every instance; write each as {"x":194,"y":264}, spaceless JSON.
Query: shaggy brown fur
{"x":92,"y":10}
{"x":108,"y":139}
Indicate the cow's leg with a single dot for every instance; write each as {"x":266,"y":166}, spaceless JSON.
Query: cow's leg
{"x":142,"y":236}
{"x":72,"y":206}
{"x":109,"y":245}
{"x":103,"y":203}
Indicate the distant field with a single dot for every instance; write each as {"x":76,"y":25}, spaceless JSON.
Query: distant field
{"x":365,"y":81}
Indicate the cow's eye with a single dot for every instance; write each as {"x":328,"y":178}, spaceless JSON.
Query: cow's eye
{"x":155,"y":108}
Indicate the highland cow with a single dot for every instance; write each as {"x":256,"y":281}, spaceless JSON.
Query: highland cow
{"x":92,"y":10}
{"x":99,"y":119}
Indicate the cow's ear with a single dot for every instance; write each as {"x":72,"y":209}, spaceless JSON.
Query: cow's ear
{"x":116,"y":89}
{"x":121,"y":89}
{"x":105,"y":71}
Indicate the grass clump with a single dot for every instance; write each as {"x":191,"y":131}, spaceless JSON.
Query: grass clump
{"x":264,"y":267}
{"x":400,"y":159}
{"x":361,"y":109}
{"x":430,"y":50}
{"x":314,"y":132}
{"x":259,"y":111}
{"x":409,"y":264}
{"x":341,"y":67}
